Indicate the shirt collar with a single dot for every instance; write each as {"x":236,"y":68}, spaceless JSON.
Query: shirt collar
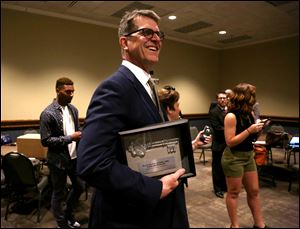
{"x":222,"y":108}
{"x":58,"y":106}
{"x":139,"y":73}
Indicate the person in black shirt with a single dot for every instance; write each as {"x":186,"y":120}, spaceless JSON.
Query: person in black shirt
{"x":238,"y":158}
{"x":216,"y":118}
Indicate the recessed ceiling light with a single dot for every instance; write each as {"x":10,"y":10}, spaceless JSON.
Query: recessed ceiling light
{"x":172,"y":17}
{"x":222,"y":32}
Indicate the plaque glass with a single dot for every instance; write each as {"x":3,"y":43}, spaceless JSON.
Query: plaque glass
{"x":159,"y":149}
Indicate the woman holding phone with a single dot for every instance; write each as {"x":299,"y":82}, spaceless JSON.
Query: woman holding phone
{"x":238,"y":161}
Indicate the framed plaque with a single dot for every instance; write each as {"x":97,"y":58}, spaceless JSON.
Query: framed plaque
{"x":159,"y":149}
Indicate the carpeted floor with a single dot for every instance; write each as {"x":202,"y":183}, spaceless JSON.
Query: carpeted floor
{"x":280,"y":207}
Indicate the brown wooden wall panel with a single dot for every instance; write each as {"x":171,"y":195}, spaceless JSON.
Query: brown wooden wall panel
{"x":25,"y":124}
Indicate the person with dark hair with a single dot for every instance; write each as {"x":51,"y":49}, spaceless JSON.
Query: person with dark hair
{"x":216,"y":118}
{"x":59,"y":128}
{"x":169,"y":99}
{"x":122,"y":197}
{"x":238,"y":158}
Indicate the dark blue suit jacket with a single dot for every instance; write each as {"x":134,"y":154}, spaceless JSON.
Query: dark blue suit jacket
{"x":216,"y":118}
{"x":123,"y":197}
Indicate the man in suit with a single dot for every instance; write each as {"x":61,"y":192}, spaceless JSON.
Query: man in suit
{"x":59,"y":128}
{"x":122,"y":197}
{"x":216,"y":118}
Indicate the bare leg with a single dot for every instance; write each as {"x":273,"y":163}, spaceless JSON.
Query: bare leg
{"x":233,"y":190}
{"x":250,"y":181}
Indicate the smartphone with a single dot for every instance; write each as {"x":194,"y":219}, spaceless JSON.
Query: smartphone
{"x":206,"y":132}
{"x":202,"y":138}
{"x":265,"y":121}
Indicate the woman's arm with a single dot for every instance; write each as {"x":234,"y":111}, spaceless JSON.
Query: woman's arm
{"x":233,"y":139}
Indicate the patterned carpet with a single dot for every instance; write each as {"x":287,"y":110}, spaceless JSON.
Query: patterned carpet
{"x":280,"y":207}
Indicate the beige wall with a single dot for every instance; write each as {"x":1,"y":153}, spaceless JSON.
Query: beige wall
{"x":36,"y":50}
{"x":273,"y":67}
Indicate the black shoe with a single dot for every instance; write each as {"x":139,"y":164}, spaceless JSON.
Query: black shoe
{"x":62,"y":225}
{"x":254,"y":226}
{"x":72,"y":222}
{"x":219,"y":194}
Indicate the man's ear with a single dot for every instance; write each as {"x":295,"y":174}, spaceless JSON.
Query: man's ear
{"x":123,"y":43}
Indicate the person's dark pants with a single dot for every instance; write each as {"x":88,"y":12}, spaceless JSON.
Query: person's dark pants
{"x":218,"y":177}
{"x":59,"y":184}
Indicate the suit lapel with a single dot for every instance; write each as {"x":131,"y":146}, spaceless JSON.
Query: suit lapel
{"x":139,"y":88}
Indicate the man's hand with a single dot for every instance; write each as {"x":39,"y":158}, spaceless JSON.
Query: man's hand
{"x":170,"y":182}
{"x":76,"y":136}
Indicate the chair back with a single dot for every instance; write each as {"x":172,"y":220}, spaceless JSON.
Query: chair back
{"x":194,"y":131}
{"x":277,"y":137}
{"x":19,"y":171}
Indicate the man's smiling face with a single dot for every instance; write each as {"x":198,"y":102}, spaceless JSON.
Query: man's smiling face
{"x":141,"y":50}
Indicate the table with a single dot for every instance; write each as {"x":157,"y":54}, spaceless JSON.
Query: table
{"x":292,"y":148}
{"x":31,"y":146}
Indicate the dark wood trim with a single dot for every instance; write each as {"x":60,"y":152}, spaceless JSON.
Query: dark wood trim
{"x":195,"y":116}
{"x":25,"y":124}
{"x":276,"y":119}
{"x":280,"y":119}
{"x":22,"y":124}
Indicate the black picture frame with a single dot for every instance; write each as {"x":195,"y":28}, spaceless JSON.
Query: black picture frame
{"x":159,"y":149}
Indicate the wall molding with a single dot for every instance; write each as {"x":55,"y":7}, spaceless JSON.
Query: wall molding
{"x":26,"y":124}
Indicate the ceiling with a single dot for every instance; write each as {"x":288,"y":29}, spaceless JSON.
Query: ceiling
{"x":198,"y":22}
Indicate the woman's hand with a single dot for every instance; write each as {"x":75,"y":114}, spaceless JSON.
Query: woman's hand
{"x":255,"y":128}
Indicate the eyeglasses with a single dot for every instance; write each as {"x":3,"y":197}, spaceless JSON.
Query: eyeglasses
{"x":222,"y":98}
{"x":169,"y":88}
{"x":148,"y":33}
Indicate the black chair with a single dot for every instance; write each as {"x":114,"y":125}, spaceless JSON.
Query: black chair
{"x":22,"y":178}
{"x":276,"y":137}
{"x":294,"y":175}
{"x":202,"y":153}
{"x":194,"y":132}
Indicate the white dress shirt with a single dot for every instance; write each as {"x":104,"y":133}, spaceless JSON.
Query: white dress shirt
{"x":141,"y":75}
{"x":69,"y":128}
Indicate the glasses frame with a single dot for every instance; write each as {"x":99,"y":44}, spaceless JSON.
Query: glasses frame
{"x":144,"y":31}
{"x":169,"y":88}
